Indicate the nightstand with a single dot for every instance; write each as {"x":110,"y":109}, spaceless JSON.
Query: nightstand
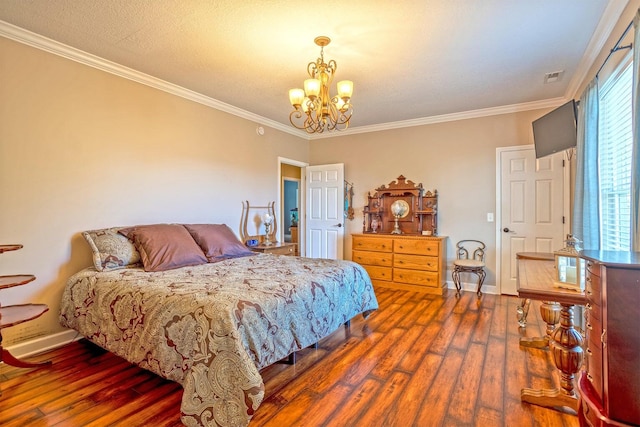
{"x":279,"y":248}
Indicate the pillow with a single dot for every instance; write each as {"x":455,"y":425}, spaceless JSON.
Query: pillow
{"x":164,"y":246}
{"x":111,"y":250}
{"x":217,"y":241}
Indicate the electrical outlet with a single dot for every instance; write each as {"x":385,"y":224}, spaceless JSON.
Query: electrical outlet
{"x":490,"y":217}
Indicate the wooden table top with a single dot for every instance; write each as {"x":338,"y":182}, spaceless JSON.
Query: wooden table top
{"x":535,"y":281}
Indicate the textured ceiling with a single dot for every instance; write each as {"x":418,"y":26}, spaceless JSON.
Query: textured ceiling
{"x":409,"y":60}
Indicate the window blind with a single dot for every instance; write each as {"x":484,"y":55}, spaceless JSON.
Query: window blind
{"x":614,"y":157}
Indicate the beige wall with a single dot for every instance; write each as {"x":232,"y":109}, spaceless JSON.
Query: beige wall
{"x":456,"y":158}
{"x":83,"y":149}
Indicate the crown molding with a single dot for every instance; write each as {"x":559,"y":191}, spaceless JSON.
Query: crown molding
{"x":38,"y":41}
{"x":464,"y":115}
{"x":610,"y":18}
{"x":29,"y":38}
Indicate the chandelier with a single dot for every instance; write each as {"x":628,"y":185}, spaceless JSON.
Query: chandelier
{"x":314,"y":108}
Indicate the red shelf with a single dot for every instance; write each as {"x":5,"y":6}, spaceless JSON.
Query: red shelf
{"x":12,"y":315}
{"x":15,"y":280}
{"x":7,"y":248}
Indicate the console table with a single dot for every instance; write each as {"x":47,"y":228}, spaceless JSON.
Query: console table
{"x":535,"y":281}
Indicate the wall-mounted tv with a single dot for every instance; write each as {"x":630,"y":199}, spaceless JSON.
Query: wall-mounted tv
{"x":555,"y":131}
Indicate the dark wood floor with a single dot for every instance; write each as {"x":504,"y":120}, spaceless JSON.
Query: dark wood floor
{"x":421,"y":360}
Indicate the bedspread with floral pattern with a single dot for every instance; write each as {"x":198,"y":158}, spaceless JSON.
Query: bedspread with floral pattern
{"x":212,"y":327}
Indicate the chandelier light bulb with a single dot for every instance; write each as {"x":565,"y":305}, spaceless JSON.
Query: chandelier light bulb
{"x":312,"y":88}
{"x":296,"y":96}
{"x":345,"y":90}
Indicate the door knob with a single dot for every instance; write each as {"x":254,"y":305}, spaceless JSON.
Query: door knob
{"x":338,"y":225}
{"x":506,"y":230}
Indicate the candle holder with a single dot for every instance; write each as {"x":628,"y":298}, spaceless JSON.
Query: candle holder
{"x":268,"y":220}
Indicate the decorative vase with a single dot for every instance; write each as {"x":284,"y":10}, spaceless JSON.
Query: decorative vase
{"x":374,"y":225}
{"x":268,"y":220}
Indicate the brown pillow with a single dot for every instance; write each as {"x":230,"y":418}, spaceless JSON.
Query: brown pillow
{"x":164,"y":246}
{"x":217,"y":241}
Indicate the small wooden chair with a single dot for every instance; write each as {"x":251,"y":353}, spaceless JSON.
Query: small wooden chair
{"x":464,"y":264}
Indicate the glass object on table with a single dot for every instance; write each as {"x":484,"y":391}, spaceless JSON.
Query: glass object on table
{"x":268,"y":220}
{"x":399,"y":209}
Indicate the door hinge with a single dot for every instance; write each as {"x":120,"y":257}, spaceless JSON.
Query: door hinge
{"x":563,"y":219}
{"x":563,"y":162}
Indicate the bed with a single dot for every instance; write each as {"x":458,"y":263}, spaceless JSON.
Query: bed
{"x":212,"y":325}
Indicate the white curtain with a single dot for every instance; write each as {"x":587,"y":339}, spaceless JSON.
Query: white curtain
{"x":586,"y":217}
{"x":635,"y":151}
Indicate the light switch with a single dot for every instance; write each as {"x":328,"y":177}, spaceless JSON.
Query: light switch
{"x":490,"y":217}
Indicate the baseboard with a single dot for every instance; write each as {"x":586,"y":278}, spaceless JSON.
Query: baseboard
{"x":472,"y":287}
{"x":42,"y":344}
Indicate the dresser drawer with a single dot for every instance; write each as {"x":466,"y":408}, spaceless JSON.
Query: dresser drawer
{"x":593,"y":326}
{"x":379,"y":273}
{"x":383,"y":259}
{"x":415,"y":277}
{"x":593,"y":364}
{"x":595,"y":311}
{"x":372,"y":244}
{"x":277,"y":249}
{"x":593,"y":268}
{"x":417,"y":262}
{"x":421,"y":246}
{"x":593,"y":287}
{"x":410,"y":262}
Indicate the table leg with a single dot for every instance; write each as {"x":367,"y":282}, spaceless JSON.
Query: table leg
{"x":566,"y":348}
{"x":550,"y":313}
{"x":522,"y":311}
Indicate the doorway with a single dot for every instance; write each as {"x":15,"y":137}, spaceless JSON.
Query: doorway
{"x":290,"y":208}
{"x":291,"y":196}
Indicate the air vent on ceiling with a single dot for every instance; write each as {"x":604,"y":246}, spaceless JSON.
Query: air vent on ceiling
{"x":553,"y":77}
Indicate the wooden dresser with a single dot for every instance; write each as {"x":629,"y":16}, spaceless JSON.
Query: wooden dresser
{"x":610,"y":383}
{"x":411,"y":262}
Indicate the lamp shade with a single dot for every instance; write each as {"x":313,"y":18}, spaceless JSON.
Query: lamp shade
{"x":296,"y":96}
{"x":312,"y":87}
{"x":345,"y":89}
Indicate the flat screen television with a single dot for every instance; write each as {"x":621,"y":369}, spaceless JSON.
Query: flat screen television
{"x":555,"y":131}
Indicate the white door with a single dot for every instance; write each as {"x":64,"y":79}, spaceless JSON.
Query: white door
{"x":325,"y":212}
{"x":531,"y":207}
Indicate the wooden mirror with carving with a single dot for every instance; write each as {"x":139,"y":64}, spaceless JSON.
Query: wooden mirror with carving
{"x":401,"y":207}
